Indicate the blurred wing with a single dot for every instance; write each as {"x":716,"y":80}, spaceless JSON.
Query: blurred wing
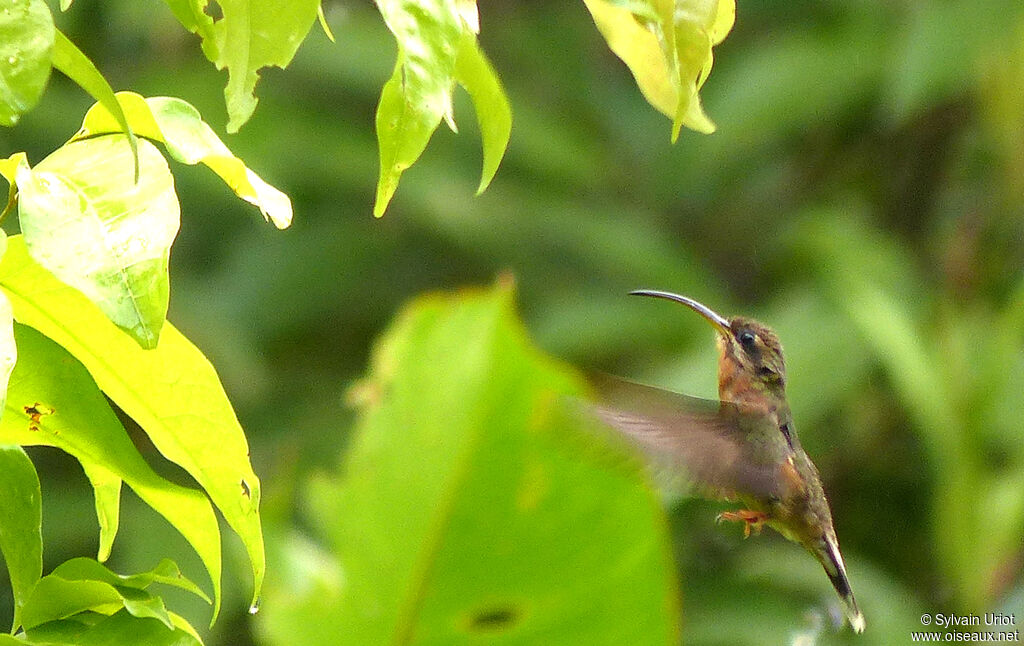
{"x":712,"y":442}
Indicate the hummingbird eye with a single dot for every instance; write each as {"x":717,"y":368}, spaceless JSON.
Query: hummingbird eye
{"x":748,"y":340}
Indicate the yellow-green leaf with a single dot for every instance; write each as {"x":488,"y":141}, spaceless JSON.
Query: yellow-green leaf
{"x":86,"y":219}
{"x":667,"y":46}
{"x":474,"y":72}
{"x":190,"y":140}
{"x":464,"y":512}
{"x":76,"y":66}
{"x":54,"y":402}
{"x":172,"y":391}
{"x":106,"y":487}
{"x":250,"y":35}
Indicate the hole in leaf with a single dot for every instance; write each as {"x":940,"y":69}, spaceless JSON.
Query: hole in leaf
{"x":494,"y":619}
{"x":213,"y":10}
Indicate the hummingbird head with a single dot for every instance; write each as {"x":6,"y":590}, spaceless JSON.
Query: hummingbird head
{"x":750,"y":361}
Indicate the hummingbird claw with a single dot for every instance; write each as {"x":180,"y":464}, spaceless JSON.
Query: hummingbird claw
{"x":752,"y":520}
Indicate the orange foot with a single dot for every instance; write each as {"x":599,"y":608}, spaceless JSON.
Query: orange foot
{"x":752,"y":519}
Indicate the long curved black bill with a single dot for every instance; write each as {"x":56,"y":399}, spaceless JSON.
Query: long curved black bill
{"x":720,"y":322}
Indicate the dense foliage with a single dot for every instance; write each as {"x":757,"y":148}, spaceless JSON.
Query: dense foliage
{"x":862,"y":194}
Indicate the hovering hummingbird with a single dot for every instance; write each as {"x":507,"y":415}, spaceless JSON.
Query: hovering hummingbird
{"x":743,"y":447}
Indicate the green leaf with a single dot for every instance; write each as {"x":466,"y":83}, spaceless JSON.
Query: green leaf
{"x":667,"y":46}
{"x":465,"y":515}
{"x":8,"y":349}
{"x":474,"y":72}
{"x":322,"y":19}
{"x":119,"y":629}
{"x":188,"y":138}
{"x":166,"y":572}
{"x":86,"y":220}
{"x":436,"y":48}
{"x":419,"y":93}
{"x":55,"y":597}
{"x":26,"y":40}
{"x":21,"y":538}
{"x":9,"y":169}
{"x":106,"y":486}
{"x":76,"y":66}
{"x":172,"y":392}
{"x":54,"y":402}
{"x":251,"y":35}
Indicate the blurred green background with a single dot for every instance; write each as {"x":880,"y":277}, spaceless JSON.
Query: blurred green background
{"x":864,"y":195}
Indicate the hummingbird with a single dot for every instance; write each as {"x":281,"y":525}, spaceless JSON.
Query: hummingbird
{"x":743,"y":447}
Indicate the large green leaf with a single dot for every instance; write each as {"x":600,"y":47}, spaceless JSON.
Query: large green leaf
{"x":21,"y":540}
{"x":465,"y":515}
{"x":667,"y":46}
{"x":54,"y":402}
{"x":250,"y":35}
{"x":26,"y":40}
{"x":172,"y":391}
{"x":189,"y":140}
{"x":87,"y":220}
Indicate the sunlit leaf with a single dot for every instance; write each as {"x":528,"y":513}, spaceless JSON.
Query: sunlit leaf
{"x":57,"y":597}
{"x":166,"y":573}
{"x":667,"y":46}
{"x":26,"y":40}
{"x":463,"y":515}
{"x":322,"y":19}
{"x":87,"y":220}
{"x":54,"y":402}
{"x":76,"y":66}
{"x":106,"y":487}
{"x":249,"y":35}
{"x":172,"y":392}
{"x":9,"y":169}
{"x":474,"y":72}
{"x":190,"y":140}
{"x":8,"y":349}
{"x":436,"y":48}
{"x":21,"y":540}
{"x":419,"y":93}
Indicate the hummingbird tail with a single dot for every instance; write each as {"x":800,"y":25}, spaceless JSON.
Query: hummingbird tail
{"x":832,"y":560}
